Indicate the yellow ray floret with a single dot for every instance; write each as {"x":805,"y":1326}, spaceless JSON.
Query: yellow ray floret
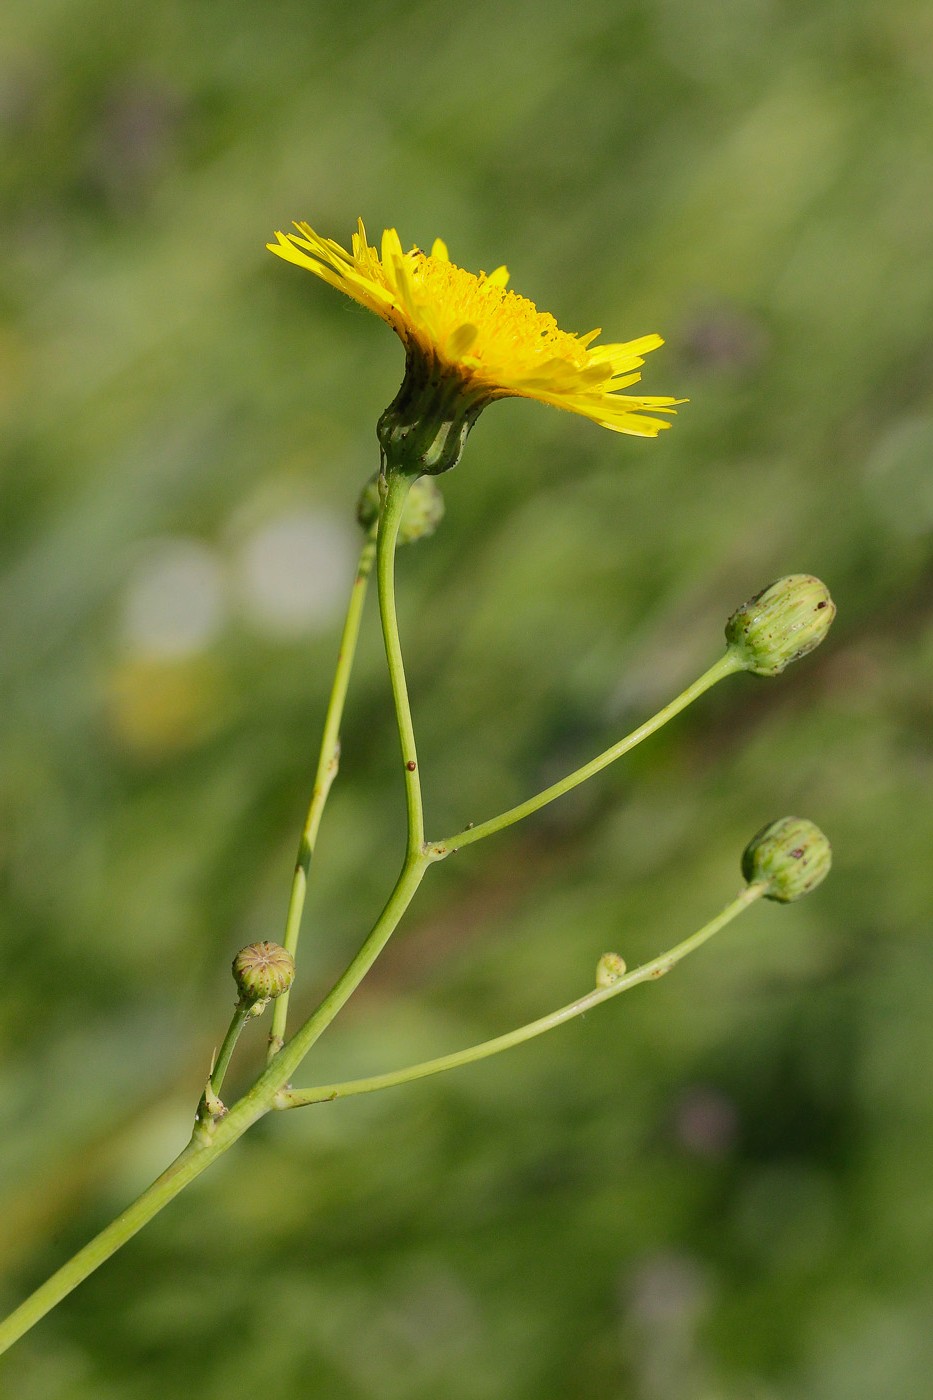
{"x":495,"y":340}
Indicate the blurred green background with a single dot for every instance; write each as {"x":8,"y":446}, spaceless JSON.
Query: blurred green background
{"x":715,"y":1188}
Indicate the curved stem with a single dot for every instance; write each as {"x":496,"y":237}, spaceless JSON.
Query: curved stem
{"x":397,"y":486}
{"x":727,"y":665}
{"x":287,"y":1060}
{"x":291,"y":1055}
{"x":327,"y":764}
{"x":657,"y":967}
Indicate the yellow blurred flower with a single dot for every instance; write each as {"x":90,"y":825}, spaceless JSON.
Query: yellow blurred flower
{"x":467,"y":327}
{"x":158,"y":707}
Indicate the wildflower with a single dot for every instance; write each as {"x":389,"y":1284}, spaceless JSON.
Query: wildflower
{"x":468,"y":340}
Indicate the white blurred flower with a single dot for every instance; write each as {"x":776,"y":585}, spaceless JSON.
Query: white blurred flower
{"x":293,"y":571}
{"x":174,"y":604}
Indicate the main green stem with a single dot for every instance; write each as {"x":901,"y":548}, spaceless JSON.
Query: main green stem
{"x":211,"y":1139}
{"x":397,"y":486}
{"x":327,"y":764}
{"x":192,"y":1161}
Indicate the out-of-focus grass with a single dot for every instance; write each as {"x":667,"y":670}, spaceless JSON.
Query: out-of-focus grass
{"x":715,"y":1188}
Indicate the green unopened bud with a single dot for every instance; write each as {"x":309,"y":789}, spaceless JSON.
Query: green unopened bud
{"x":791,"y":856}
{"x":423,"y":511}
{"x":780,"y":624}
{"x":421,"y":514}
{"x":262,"y":972}
{"x":609,"y":969}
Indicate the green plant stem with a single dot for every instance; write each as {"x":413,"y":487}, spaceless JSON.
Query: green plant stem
{"x":212,"y":1138}
{"x":416,"y":862}
{"x":290,"y":1057}
{"x":174,"y":1179}
{"x":727,"y":665}
{"x":327,"y":764}
{"x":269,"y":1090}
{"x":651,"y":970}
{"x":225,"y":1053}
{"x":397,"y":486}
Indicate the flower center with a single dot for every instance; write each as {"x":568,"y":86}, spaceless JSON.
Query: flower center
{"x":509,"y":329}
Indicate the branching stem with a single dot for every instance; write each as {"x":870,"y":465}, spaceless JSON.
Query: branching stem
{"x":657,"y":967}
{"x":727,"y":665}
{"x":217,"y":1131}
{"x":327,"y":765}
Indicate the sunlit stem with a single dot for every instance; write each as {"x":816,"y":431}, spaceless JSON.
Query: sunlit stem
{"x":652,"y":970}
{"x":328,"y":762}
{"x":727,"y":665}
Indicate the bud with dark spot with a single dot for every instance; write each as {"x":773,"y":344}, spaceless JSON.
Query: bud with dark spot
{"x":780,"y":624}
{"x":790,"y":856}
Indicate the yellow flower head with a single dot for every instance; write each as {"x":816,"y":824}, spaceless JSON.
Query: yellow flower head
{"x":466,"y":333}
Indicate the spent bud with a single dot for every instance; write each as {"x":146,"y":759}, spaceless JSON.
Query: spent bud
{"x":262,"y":972}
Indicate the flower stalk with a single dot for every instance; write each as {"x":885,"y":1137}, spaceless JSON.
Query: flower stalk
{"x":214,"y":1134}
{"x":652,"y":970}
{"x":468,"y":341}
{"x":727,"y":665}
{"x":396,"y":488}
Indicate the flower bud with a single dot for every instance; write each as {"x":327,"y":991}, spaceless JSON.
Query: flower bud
{"x":263,"y":971}
{"x":421,"y":514}
{"x":791,"y":856}
{"x":782,"y":623}
{"x":609,"y":969}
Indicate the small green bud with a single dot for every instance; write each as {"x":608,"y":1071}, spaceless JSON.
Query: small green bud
{"x":262,"y":972}
{"x":609,"y":969}
{"x":421,"y":515}
{"x":780,"y":624}
{"x":791,"y":856}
